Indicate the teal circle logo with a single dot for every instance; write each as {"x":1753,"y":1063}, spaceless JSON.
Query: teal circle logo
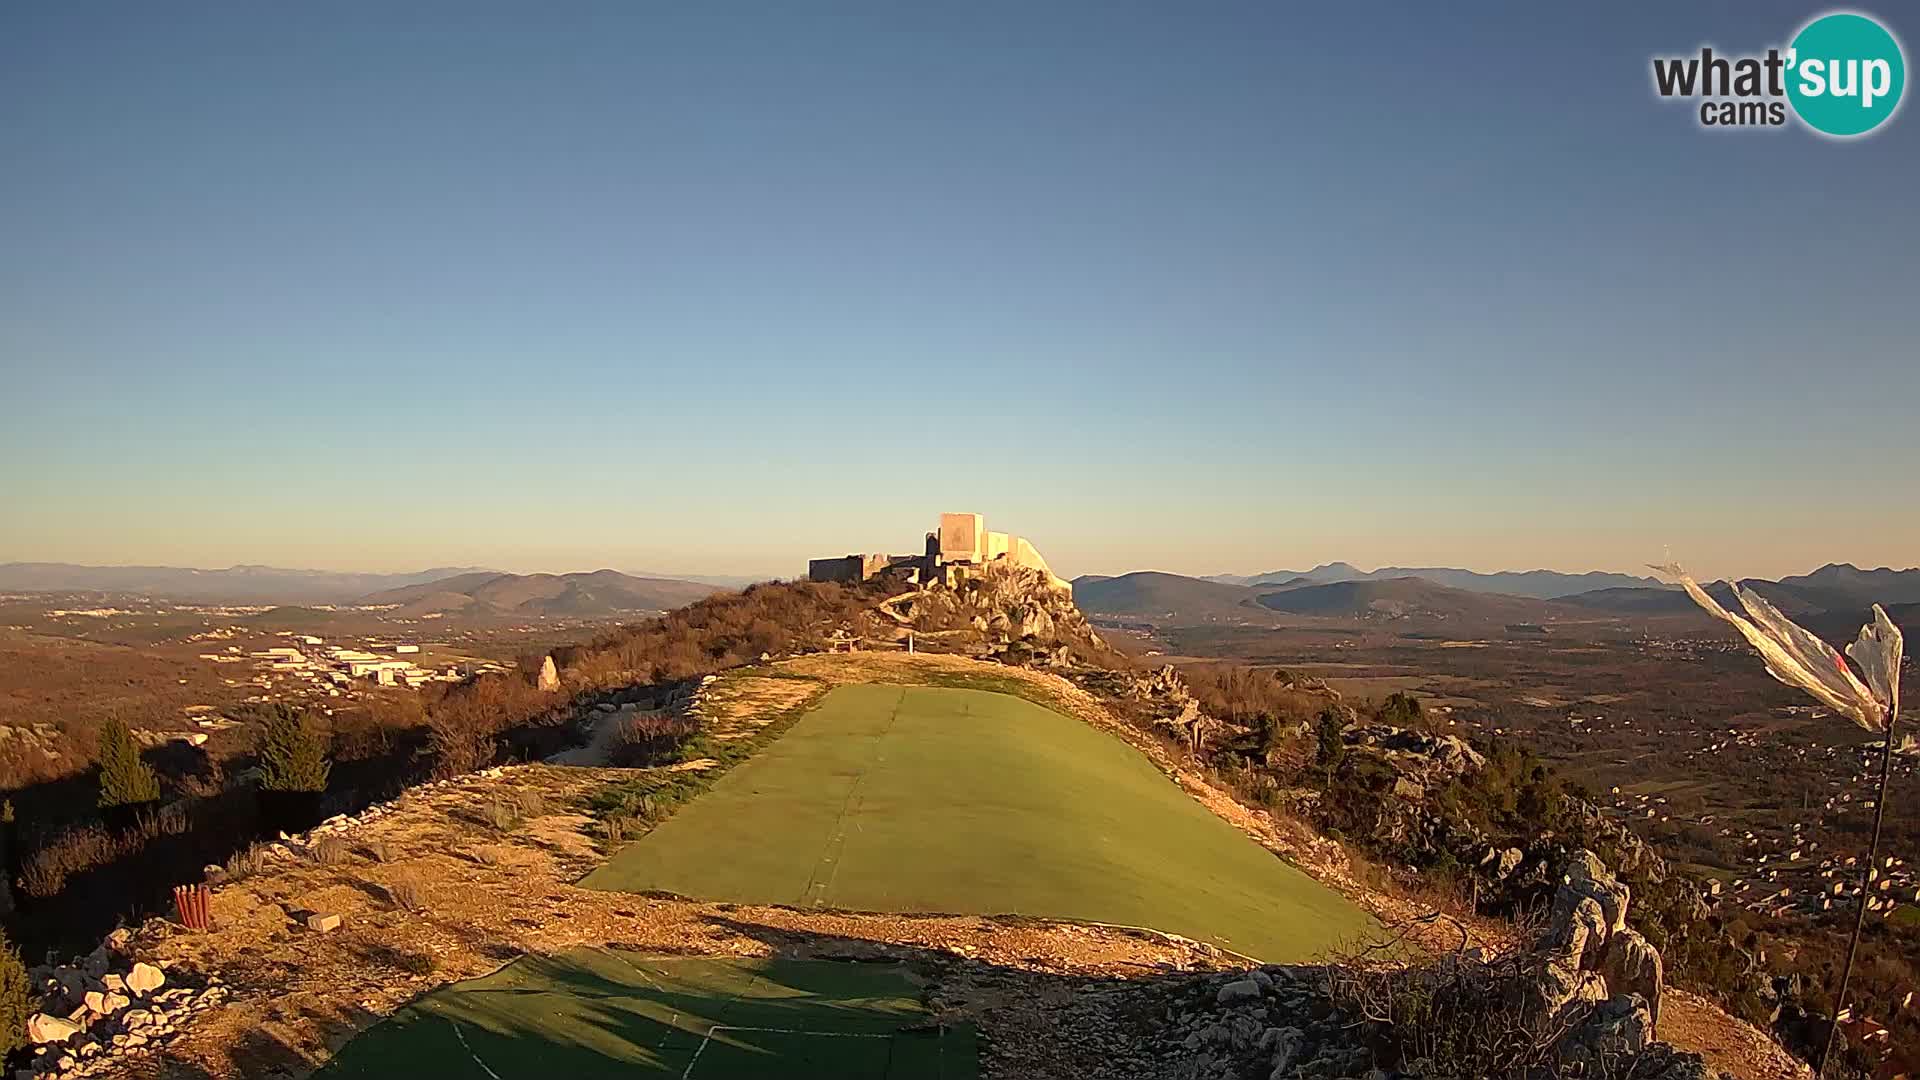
{"x":1845,"y":74}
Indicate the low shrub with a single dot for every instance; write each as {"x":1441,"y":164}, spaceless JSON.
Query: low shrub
{"x":328,"y":851}
{"x":245,"y":863}
{"x":502,"y":814}
{"x":408,"y":893}
{"x":643,"y":740}
{"x":1458,"y":1017}
{"x":18,"y":1001}
{"x":44,"y":873}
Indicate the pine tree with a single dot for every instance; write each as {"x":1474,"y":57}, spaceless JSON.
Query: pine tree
{"x":16,"y":998}
{"x":125,"y":780}
{"x":293,"y":755}
{"x":1333,"y":747}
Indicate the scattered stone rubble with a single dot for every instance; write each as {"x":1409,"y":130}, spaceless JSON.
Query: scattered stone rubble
{"x":43,"y":739}
{"x":104,"y":1007}
{"x":296,"y":847}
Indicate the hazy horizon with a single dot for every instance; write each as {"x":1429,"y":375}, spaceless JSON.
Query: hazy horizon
{"x":767,"y":573}
{"x":713,"y":292}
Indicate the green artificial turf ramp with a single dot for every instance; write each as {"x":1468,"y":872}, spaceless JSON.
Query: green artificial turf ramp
{"x":613,"y":1013}
{"x":931,"y":799}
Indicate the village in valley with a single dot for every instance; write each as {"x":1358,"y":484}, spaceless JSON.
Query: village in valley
{"x":335,"y":669}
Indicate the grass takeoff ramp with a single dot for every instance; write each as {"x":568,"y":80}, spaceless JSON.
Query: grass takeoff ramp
{"x":612,"y":1013}
{"x":939,"y":800}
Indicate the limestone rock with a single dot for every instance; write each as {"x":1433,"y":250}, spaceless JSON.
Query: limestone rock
{"x":1618,"y":1028}
{"x":1285,"y":1047}
{"x":42,"y":1028}
{"x":1587,"y":876}
{"x":1509,"y":861}
{"x":145,"y":978}
{"x":1237,"y":991}
{"x":1579,"y":934}
{"x":1632,"y":966}
{"x":105,"y":1002}
{"x":96,"y":963}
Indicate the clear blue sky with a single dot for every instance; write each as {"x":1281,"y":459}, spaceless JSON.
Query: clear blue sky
{"x":715,"y":287}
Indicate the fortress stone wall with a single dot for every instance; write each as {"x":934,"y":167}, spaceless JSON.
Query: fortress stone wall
{"x":960,"y":542}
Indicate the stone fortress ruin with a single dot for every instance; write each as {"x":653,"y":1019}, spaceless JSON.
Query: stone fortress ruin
{"x":960,"y":546}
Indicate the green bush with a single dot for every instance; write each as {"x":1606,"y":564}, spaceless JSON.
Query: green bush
{"x":16,"y":998}
{"x":125,"y":780}
{"x":1332,"y":749}
{"x":1400,"y":710}
{"x":293,"y":754}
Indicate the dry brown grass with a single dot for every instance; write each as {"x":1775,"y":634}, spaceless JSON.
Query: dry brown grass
{"x":245,"y":863}
{"x":408,"y":892}
{"x":45,"y":872}
{"x":76,"y":850}
{"x":328,"y":851}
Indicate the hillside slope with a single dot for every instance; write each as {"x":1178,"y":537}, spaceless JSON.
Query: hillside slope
{"x":1150,"y":593}
{"x":598,"y":593}
{"x":1405,"y":597}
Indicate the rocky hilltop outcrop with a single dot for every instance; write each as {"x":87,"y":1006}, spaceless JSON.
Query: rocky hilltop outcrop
{"x":1002,"y":611}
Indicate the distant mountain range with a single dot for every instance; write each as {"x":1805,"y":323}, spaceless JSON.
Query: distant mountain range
{"x":1540,"y":584}
{"x":234,"y":585}
{"x":602,"y":592}
{"x":277,"y":585}
{"x":1833,"y":600}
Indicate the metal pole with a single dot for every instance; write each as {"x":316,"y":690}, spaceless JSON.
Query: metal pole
{"x":1866,"y":888}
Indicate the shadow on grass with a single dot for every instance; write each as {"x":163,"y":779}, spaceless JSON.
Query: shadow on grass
{"x":815,"y":1006}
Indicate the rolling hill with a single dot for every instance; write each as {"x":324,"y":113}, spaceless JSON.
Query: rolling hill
{"x":1403,"y":597}
{"x":1643,"y":601}
{"x":598,"y":593}
{"x":1152,"y":594}
{"x":1174,"y":600}
{"x":1669,"y":600}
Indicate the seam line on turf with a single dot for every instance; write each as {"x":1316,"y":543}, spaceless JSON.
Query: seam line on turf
{"x":464,"y":1045}
{"x":835,"y":848}
{"x":695,"y":1060}
{"x":635,"y":968}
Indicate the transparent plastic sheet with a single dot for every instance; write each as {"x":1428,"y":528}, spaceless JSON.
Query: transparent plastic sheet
{"x":1798,"y":658}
